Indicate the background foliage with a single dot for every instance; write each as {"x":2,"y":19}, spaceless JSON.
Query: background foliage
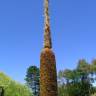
{"x":32,"y":79}
{"x":12,"y":88}
{"x":79,"y":81}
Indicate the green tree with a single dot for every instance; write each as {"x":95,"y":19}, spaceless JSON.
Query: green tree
{"x":32,"y":79}
{"x":77,"y":82}
{"x":12,"y":88}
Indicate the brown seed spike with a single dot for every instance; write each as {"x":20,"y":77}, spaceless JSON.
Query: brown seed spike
{"x":47,"y":33}
{"x":48,"y":76}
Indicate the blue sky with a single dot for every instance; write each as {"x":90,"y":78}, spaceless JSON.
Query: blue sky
{"x":73,"y":27}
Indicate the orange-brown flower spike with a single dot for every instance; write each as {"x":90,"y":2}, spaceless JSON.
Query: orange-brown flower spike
{"x":48,"y":74}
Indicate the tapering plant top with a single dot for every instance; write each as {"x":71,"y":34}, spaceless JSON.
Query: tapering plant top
{"x":47,"y":33}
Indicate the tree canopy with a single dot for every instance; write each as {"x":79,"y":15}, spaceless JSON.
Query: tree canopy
{"x":13,"y":88}
{"x":32,"y":79}
{"x":79,"y":81}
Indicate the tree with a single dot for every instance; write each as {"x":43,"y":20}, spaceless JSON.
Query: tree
{"x":12,"y":88}
{"x":32,"y":79}
{"x":77,"y":82}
